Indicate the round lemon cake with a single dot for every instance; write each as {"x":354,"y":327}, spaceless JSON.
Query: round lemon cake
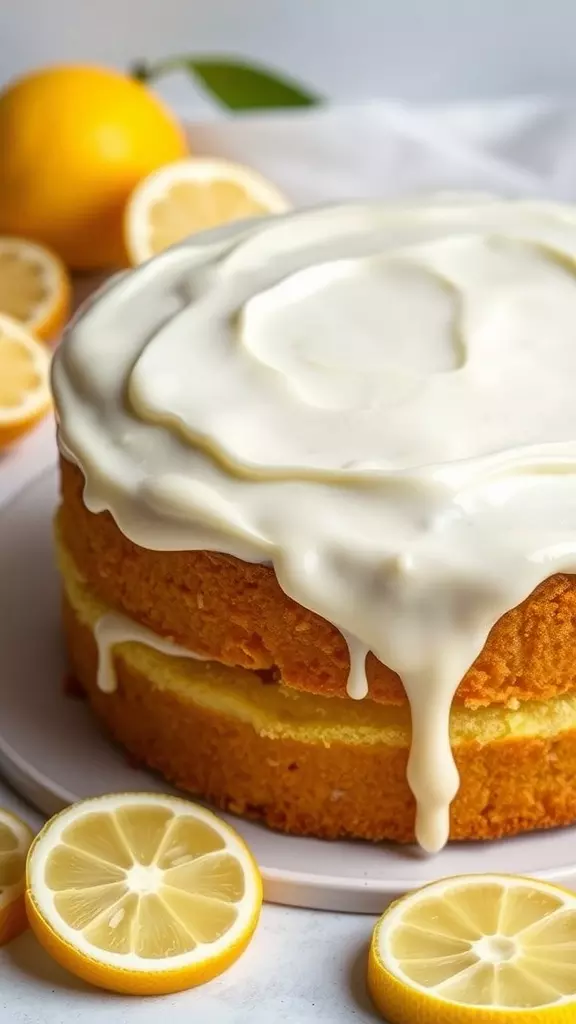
{"x":318,"y":517}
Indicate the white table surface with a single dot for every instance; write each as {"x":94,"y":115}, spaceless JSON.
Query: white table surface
{"x":302,"y":965}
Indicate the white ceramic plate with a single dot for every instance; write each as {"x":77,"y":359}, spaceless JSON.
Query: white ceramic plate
{"x":53,"y":752}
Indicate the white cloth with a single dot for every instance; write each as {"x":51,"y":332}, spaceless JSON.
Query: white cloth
{"x":382,"y":149}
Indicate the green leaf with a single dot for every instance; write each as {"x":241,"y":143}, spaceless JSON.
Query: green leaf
{"x":236,"y":84}
{"x":242,"y":87}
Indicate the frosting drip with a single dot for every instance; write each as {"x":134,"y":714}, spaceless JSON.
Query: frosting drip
{"x":112,"y":629}
{"x":376,"y":399}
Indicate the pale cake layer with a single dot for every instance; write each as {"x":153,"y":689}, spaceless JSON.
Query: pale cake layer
{"x":236,"y":613}
{"x":314,"y":765}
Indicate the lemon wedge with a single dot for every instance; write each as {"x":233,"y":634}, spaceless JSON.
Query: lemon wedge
{"x":24,"y":380}
{"x":15,"y":839}
{"x":477,"y":949}
{"x":193,"y":195}
{"x":35,"y":288}
{"x":142,"y":893}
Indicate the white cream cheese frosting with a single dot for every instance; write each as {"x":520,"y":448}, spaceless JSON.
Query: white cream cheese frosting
{"x":376,"y":399}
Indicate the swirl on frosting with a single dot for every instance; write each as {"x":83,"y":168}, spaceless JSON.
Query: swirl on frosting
{"x":377,"y":399}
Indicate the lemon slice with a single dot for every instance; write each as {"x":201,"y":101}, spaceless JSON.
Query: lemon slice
{"x":142,"y":893}
{"x":34,"y":286}
{"x":478,"y":949}
{"x":15,"y":839}
{"x":193,"y":195}
{"x":24,"y":380}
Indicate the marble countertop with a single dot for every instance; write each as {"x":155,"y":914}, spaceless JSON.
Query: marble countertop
{"x":303,"y":966}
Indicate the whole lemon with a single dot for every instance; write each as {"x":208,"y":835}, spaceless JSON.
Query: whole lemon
{"x":74,"y":141}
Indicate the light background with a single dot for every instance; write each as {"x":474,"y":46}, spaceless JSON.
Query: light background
{"x":348,"y":49}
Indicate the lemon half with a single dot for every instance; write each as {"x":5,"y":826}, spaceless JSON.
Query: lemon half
{"x":193,"y":195}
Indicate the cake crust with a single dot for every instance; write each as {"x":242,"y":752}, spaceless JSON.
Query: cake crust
{"x":236,"y":613}
{"x":342,"y":790}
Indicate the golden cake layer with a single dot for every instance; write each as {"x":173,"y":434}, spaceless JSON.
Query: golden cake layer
{"x":314,"y":765}
{"x":236,"y":613}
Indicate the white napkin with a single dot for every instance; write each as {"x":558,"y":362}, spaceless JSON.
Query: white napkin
{"x":384,"y":149}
